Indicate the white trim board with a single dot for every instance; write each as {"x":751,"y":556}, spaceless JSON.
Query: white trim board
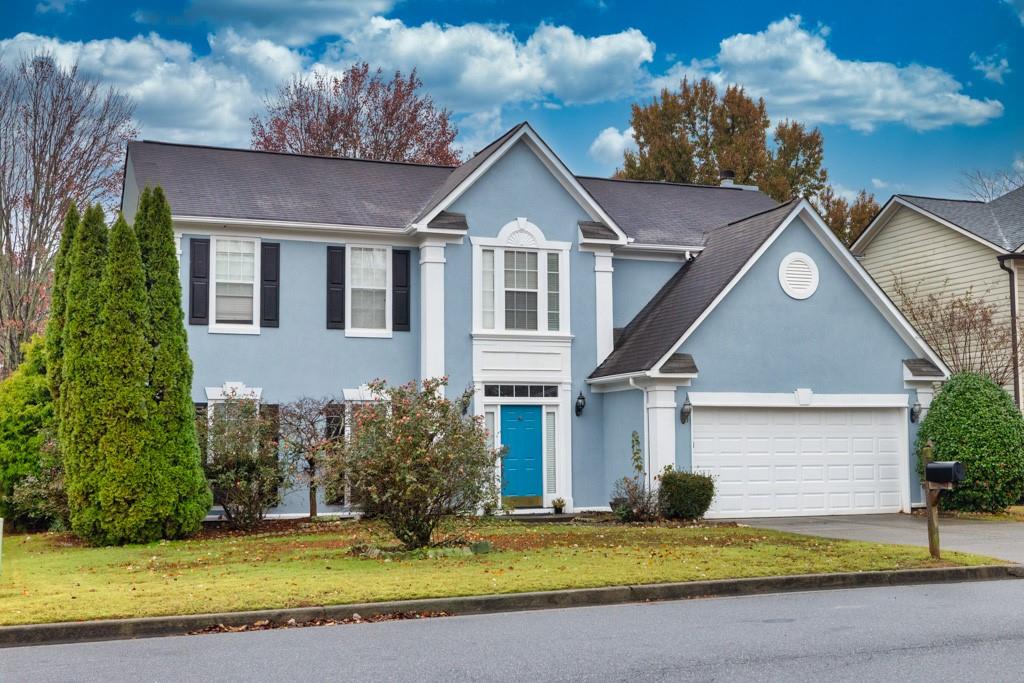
{"x":799,"y":398}
{"x":849,"y":264}
{"x":561,"y":173}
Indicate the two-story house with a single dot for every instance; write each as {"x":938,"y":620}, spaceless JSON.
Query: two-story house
{"x":727,"y":330}
{"x":947,"y":248}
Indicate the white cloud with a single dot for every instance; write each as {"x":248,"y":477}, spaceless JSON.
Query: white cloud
{"x":610,"y":144}
{"x":292,"y":22}
{"x":1018,"y":163}
{"x":801,"y":78}
{"x":180,"y":96}
{"x":992,"y":67}
{"x":1018,"y":6}
{"x":476,"y":66}
{"x":879,"y":184}
{"x":55,"y":6}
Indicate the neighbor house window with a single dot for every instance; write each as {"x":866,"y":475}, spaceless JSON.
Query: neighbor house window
{"x":236,"y":263}
{"x":488,"y":289}
{"x":520,"y":290}
{"x":369,"y":291}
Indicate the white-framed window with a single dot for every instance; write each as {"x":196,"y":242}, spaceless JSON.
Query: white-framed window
{"x":521,"y":282}
{"x":234,"y":285}
{"x":368,"y":291}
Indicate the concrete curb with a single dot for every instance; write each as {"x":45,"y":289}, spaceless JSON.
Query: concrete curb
{"x":148,"y":627}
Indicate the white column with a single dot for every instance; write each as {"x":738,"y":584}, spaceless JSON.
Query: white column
{"x":661,"y":424}
{"x":432,"y":309}
{"x":603,"y":294}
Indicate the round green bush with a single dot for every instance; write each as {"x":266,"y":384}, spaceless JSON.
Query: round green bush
{"x":973,"y":420}
{"x":685,"y":495}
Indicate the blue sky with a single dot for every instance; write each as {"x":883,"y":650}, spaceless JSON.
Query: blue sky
{"x":908,"y":94}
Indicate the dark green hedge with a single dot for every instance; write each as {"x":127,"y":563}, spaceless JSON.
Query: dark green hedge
{"x":685,"y":495}
{"x":973,"y":420}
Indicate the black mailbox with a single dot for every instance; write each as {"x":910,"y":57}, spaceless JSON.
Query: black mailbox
{"x":946,"y":472}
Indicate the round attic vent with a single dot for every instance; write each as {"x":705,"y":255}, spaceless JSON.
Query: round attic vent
{"x":798,"y":275}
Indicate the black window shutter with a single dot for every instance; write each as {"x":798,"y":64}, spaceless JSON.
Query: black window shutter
{"x":400,"y":295}
{"x":335,"y":288}
{"x":270,"y":284}
{"x":201,"y":417}
{"x":199,"y":282}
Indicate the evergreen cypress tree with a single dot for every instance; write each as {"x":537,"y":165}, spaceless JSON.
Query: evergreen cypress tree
{"x":55,"y":325}
{"x":134,"y":497}
{"x":81,"y":389}
{"x":172,"y":428}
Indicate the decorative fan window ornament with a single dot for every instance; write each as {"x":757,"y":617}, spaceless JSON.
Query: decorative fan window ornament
{"x":798,"y":275}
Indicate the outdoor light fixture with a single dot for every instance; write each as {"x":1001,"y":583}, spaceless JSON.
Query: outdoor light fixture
{"x":915,"y":412}
{"x":581,"y":403}
{"x":686,"y":411}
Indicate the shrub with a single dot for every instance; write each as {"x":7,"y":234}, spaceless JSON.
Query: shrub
{"x":81,"y":388}
{"x":632,"y":500}
{"x":684,"y":495}
{"x":171,"y":433}
{"x":58,"y":301}
{"x":413,"y":458}
{"x":973,"y":420}
{"x":39,"y":500}
{"x":26,"y":421}
{"x":242,"y":464}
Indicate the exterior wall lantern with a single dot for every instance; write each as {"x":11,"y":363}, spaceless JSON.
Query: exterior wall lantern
{"x":915,"y":412}
{"x":581,"y":403}
{"x":686,"y":411}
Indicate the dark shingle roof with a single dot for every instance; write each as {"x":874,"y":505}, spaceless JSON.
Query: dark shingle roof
{"x":233,"y":183}
{"x":1000,"y":221}
{"x":920,"y":367}
{"x":449,"y":220}
{"x":680,"y":364}
{"x":678,"y":304}
{"x":672,"y":213}
{"x":596,"y":230}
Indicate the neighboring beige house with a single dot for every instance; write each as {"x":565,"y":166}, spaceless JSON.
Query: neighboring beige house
{"x":949,"y":247}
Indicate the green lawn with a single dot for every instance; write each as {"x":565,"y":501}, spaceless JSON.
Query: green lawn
{"x":49,"y":577}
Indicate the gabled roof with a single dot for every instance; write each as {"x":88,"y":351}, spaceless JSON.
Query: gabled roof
{"x":681,"y":301}
{"x":652,"y":339}
{"x":217,"y":182}
{"x":999,"y":222}
{"x":673,"y":213}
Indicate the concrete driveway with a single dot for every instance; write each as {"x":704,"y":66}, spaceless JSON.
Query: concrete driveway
{"x":1004,"y":540}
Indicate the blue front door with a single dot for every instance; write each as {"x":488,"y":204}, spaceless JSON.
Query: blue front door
{"x":522,"y":467}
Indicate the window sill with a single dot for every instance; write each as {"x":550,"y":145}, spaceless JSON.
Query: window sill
{"x":522,"y":334}
{"x":376,"y":334}
{"x":233,"y":329}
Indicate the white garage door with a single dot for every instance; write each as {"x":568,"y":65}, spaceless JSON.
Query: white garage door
{"x":780,"y":462}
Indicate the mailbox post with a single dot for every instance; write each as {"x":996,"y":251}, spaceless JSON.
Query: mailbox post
{"x":938,"y":477}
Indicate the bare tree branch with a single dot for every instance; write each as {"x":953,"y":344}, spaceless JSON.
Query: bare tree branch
{"x":988,"y":185}
{"x":62,"y":140}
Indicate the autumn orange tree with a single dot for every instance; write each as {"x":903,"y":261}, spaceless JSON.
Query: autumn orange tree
{"x":692,"y":134}
{"x":359,"y":114}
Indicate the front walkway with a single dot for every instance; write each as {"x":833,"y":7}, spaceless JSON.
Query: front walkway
{"x":1004,"y":540}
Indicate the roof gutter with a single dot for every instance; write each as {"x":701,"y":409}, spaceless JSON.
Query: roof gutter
{"x":1003,"y":258}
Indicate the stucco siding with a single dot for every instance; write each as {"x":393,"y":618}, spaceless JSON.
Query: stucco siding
{"x":301,"y":357}
{"x":760,"y":340}
{"x":623,"y":414}
{"x":519,"y":185}
{"x":634,"y":282}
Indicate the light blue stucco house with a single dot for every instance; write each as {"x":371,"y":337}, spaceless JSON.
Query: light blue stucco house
{"x":737,"y":336}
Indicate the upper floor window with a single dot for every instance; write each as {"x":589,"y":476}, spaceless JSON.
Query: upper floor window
{"x":369,"y":291}
{"x":235,"y":295}
{"x":520,"y":281}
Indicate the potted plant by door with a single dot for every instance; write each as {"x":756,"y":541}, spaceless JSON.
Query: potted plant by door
{"x":559,"y":505}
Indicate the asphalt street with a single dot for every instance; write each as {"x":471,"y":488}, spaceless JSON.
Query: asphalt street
{"x":969,"y":631}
